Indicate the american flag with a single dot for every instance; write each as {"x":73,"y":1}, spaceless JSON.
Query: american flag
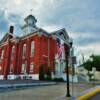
{"x":59,"y":49}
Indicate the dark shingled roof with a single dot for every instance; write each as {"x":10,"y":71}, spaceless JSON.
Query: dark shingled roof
{"x":30,"y":16}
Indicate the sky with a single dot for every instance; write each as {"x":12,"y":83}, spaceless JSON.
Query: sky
{"x":80,"y":18}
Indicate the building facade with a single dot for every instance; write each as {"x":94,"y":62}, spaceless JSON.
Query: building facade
{"x":23,"y":56}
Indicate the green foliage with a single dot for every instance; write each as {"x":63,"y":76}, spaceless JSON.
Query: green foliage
{"x":54,"y":79}
{"x":48,"y":78}
{"x":88,"y":65}
{"x":94,"y":61}
{"x":58,"y":79}
{"x":42,"y":72}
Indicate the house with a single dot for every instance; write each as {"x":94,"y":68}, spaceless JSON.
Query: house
{"x":22,"y":56}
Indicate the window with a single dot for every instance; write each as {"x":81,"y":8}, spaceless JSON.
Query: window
{"x":12,"y":53}
{"x":0,"y":68}
{"x":32,"y":48}
{"x":31,"y":67}
{"x":11,"y":69}
{"x":23,"y":70}
{"x":24,"y":50}
{"x":2,"y":54}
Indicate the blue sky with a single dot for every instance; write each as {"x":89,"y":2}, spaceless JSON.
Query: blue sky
{"x":81,"y":18}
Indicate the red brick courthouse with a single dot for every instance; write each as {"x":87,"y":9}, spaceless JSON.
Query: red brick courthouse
{"x":22,"y":56}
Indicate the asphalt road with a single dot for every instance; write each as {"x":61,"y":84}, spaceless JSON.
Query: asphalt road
{"x":95,"y":97}
{"x":52,"y":92}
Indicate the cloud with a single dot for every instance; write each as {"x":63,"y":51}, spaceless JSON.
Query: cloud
{"x":81,"y":18}
{"x":3,"y":23}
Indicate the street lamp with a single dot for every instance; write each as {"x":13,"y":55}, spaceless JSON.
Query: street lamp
{"x":67,"y":53}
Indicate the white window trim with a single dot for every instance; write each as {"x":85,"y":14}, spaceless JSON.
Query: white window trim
{"x":11,"y":69}
{"x":31,"y":69}
{"x":24,"y":51}
{"x":32,"y":48}
{"x":2,"y":54}
{"x":12,"y":52}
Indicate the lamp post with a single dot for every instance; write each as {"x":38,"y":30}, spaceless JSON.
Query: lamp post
{"x":67,"y":53}
{"x":67,"y":46}
{"x":67,"y":75}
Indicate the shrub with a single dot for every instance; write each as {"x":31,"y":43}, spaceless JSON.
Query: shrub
{"x":58,"y":79}
{"x":47,"y":78}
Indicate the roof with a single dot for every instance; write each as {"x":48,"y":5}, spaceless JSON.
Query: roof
{"x":62,"y":34}
{"x":30,"y":16}
{"x":39,"y":31}
{"x":61,"y":30}
{"x":4,"y":38}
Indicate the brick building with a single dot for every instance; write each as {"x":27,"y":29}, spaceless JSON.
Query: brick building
{"x":22,"y":56}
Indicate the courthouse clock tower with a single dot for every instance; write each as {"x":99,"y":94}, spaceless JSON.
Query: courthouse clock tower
{"x":30,"y":25}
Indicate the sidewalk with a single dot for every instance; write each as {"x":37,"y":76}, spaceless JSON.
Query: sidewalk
{"x":48,"y":92}
{"x":21,"y":84}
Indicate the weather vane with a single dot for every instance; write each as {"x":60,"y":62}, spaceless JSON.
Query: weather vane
{"x":31,"y":10}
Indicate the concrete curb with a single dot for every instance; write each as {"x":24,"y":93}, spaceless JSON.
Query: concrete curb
{"x":20,"y":86}
{"x":88,"y":93}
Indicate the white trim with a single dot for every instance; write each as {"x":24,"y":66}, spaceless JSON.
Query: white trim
{"x":30,"y":76}
{"x":41,"y":34}
{"x":11,"y":77}
{"x":30,"y":35}
{"x":1,"y":77}
{"x":17,"y":40}
{"x":34,"y":76}
{"x":6,"y":42}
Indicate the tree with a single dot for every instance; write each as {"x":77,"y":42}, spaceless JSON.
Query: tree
{"x":88,"y":65}
{"x":94,"y":61}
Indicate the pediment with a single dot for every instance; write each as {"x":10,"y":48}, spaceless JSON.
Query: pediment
{"x":62,"y":34}
{"x":5,"y":38}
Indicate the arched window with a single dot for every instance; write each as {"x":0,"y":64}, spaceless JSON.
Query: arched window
{"x":12,"y":53}
{"x":32,"y":48}
{"x":24,"y":50}
{"x":2,"y":54}
{"x":23,"y":68}
{"x":31,"y":67}
{"x":11,"y":69}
